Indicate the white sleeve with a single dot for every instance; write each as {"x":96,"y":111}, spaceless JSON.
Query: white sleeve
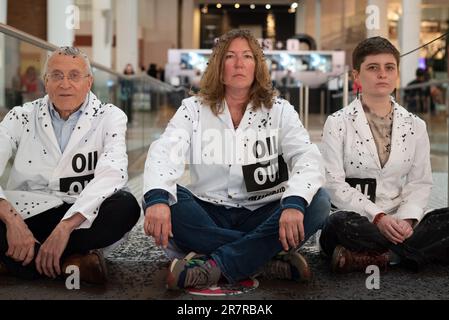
{"x":416,"y":191}
{"x":111,"y":172}
{"x":343,"y":196}
{"x":11,"y":129}
{"x":303,"y":157}
{"x":167,"y":156}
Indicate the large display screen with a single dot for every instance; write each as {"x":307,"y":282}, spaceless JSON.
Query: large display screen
{"x":194,"y":61}
{"x":300,"y":62}
{"x":312,"y":68}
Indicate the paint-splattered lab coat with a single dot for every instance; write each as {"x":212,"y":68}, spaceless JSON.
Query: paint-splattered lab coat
{"x":268,"y":157}
{"x":403,"y":185}
{"x":92,"y":167}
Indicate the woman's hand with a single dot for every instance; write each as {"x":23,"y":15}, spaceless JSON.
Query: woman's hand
{"x":291,"y":228}
{"x":158,"y":223}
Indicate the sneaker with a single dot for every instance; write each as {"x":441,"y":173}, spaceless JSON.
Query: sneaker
{"x":344,"y":260}
{"x":288,"y":266}
{"x":193,"y":271}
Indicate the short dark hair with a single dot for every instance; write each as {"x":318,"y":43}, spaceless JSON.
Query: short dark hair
{"x":420,"y":72}
{"x":372,"y":46}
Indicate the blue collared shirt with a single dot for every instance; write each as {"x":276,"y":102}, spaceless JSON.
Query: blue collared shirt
{"x":64,"y":128}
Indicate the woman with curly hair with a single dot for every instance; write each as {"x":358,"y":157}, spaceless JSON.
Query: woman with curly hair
{"x":255,"y":176}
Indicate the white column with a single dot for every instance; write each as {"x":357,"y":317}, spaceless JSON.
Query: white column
{"x":102,"y":32}
{"x":190,"y":27}
{"x":377,"y":18}
{"x":318,"y":24}
{"x":127,"y":34}
{"x":300,"y":15}
{"x":196,"y":28}
{"x":410,"y":23}
{"x":62,"y":20}
{"x":3,"y":11}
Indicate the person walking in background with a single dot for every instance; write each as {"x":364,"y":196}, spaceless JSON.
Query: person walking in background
{"x":152,"y":70}
{"x":127,"y":92}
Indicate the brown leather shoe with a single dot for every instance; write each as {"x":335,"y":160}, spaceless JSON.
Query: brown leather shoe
{"x":92,"y":266}
{"x":344,"y":260}
{"x":3,"y":269}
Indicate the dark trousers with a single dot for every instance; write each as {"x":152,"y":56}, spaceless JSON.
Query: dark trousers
{"x":429,"y":242}
{"x":117,"y":215}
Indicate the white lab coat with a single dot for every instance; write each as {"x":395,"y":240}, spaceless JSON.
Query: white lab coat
{"x":92,"y":167}
{"x":349,"y":151}
{"x":236,"y":168}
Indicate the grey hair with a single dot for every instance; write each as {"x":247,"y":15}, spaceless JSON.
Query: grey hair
{"x":69,"y":51}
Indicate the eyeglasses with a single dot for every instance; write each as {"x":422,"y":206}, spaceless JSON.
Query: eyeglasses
{"x":73,"y":76}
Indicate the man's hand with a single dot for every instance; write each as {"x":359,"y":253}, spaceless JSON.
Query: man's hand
{"x":19,"y":238}
{"x":291,"y":228}
{"x":158,"y":223}
{"x":391,"y":229}
{"x":48,"y":258}
{"x":20,"y":242}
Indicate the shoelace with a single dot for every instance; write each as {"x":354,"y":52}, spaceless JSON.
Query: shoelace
{"x":199,"y":275}
{"x":196,"y":276}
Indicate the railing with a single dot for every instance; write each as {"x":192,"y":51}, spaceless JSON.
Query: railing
{"x":141,"y":97}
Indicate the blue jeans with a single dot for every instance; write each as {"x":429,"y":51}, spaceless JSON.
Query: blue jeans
{"x":240,"y":241}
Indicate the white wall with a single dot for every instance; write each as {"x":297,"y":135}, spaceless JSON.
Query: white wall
{"x":127,"y":35}
{"x":159,"y":22}
{"x":3,"y":11}
{"x":102,"y":32}
{"x":60,"y":23}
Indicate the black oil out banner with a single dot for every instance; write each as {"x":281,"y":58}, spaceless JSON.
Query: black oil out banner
{"x":74,"y":185}
{"x":367,"y":186}
{"x":265,"y":175}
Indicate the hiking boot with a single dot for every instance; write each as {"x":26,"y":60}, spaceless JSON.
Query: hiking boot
{"x":92,"y":266}
{"x":288,"y":266}
{"x":344,"y":260}
{"x":193,"y":271}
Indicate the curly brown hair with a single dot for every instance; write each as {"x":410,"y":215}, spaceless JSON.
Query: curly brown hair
{"x":212,"y":88}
